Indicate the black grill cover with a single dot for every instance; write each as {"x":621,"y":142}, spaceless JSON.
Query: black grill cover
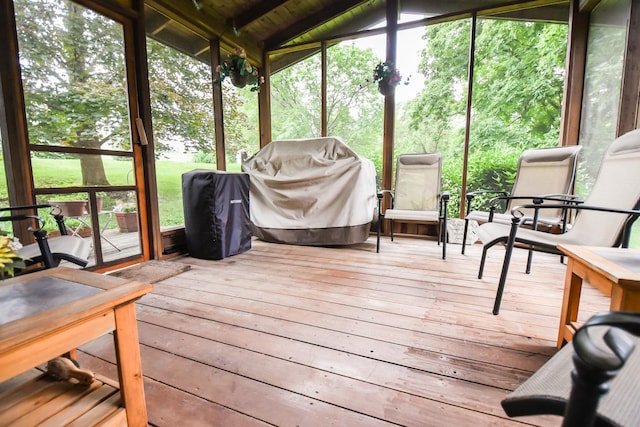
{"x":216,"y":213}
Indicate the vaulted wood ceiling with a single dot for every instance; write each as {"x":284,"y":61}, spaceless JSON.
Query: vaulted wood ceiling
{"x":269,"y":25}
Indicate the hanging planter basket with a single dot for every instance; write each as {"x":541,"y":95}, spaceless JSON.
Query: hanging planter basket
{"x":238,"y":80}
{"x":239,"y":70}
{"x":387,"y":76}
{"x":385,"y":88}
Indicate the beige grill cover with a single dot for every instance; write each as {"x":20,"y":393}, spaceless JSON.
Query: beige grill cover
{"x":315,"y":191}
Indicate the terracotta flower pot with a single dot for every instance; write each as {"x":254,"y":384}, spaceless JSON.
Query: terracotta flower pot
{"x":127,"y":221}
{"x":71,"y":208}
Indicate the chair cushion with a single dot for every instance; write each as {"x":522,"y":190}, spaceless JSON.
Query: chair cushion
{"x":70,"y":245}
{"x":411,"y":215}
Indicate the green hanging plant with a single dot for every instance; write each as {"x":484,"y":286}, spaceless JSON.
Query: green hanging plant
{"x":238,"y":68}
{"x":387,"y":76}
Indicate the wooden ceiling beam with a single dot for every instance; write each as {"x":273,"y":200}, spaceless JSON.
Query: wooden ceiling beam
{"x":517,"y":6}
{"x":208,"y":26}
{"x":306,"y":25}
{"x":588,"y":5}
{"x":254,"y":13}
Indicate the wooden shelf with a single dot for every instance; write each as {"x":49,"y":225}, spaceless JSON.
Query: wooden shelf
{"x":51,"y":312}
{"x":37,"y":399}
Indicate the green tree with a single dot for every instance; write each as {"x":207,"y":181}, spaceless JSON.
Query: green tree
{"x":438,"y":110}
{"x":518,"y":90}
{"x":516,"y":101}
{"x":72,"y":63}
{"x":240,"y":113}
{"x":295,"y":100}
{"x":76,"y":93}
{"x":182,"y":104}
{"x":354,"y":107}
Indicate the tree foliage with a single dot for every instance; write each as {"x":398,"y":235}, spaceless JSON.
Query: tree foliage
{"x":72,"y":63}
{"x":354,"y":106}
{"x":518,"y":81}
{"x":182,"y":104}
{"x":76,"y":92}
{"x":516,"y":100}
{"x":75,"y":84}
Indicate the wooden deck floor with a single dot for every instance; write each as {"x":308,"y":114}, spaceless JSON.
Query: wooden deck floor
{"x":310,"y":336}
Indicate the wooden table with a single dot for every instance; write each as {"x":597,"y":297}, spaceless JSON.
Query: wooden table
{"x":614,"y":271}
{"x":48,"y":313}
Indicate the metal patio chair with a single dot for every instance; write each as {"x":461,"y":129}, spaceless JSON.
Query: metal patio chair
{"x":604,"y":219}
{"x":417,"y":196}
{"x":592,"y":381}
{"x":48,"y":252}
{"x":540,"y":172}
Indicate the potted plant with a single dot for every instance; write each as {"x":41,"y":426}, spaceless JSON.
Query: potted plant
{"x":387,"y":76}
{"x":10,"y":258}
{"x":238,"y":68}
{"x":127,"y":218}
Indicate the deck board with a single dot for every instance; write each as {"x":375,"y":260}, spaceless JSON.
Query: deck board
{"x":311,"y":336}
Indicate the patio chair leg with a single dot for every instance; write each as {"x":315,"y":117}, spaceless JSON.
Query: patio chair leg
{"x":529,"y":261}
{"x":444,"y":241}
{"x":392,"y":230}
{"x":444,"y":249}
{"x":464,"y":235}
{"x":443,"y":231}
{"x":505,"y":265}
{"x":380,"y":221}
{"x":482,"y":260}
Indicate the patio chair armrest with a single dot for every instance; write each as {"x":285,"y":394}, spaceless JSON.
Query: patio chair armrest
{"x":587,"y":350}
{"x":21,"y":217}
{"x":55,"y":212}
{"x":380,"y":196}
{"x":595,"y":363}
{"x":626,"y":230}
{"x":444,"y":205}
{"x":472,"y":194}
{"x":34,"y":208}
{"x":561,"y":197}
{"x":538,"y":200}
{"x":558,"y":198}
{"x":516,"y":211}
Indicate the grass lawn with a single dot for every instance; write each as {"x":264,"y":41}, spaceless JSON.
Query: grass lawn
{"x":66,"y":172}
